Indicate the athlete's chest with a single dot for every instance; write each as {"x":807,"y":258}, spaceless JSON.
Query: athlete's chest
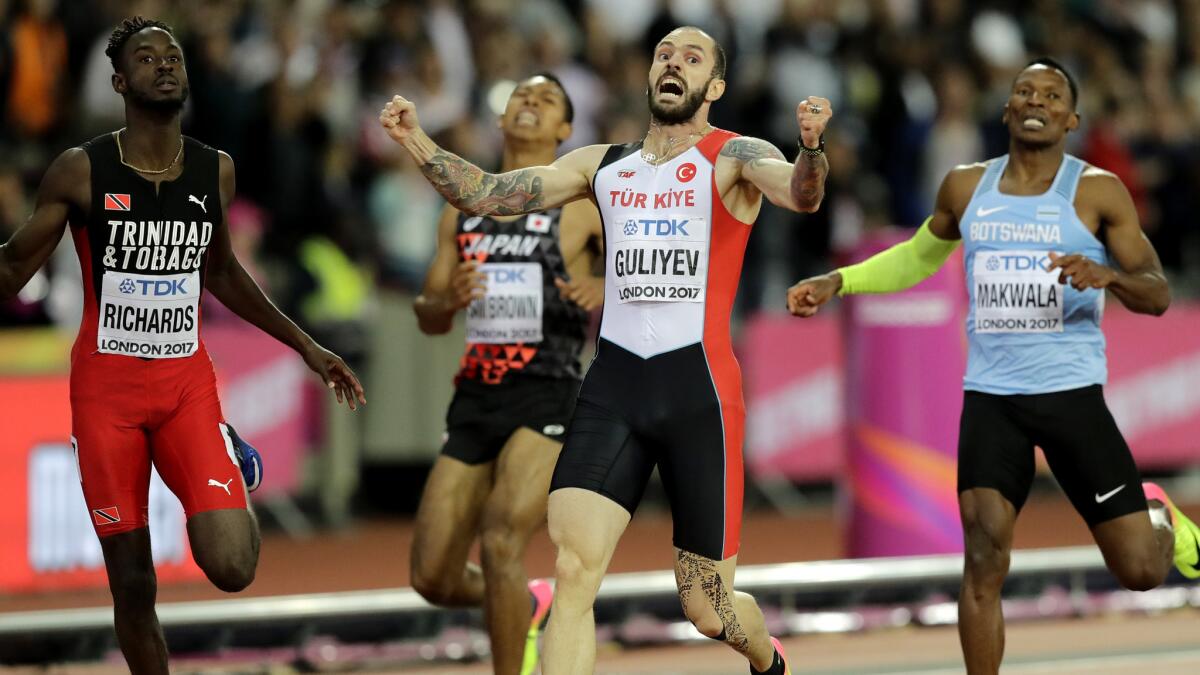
{"x":529,"y":238}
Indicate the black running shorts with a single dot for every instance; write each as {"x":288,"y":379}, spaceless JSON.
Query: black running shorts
{"x":635,"y":413}
{"x":482,"y":416}
{"x":1085,"y":450}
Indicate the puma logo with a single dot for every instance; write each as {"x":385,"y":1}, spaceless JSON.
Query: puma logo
{"x":224,"y":486}
{"x":192,"y":198}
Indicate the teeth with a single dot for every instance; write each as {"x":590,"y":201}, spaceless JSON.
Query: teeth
{"x":1033,"y":123}
{"x":526,"y":118}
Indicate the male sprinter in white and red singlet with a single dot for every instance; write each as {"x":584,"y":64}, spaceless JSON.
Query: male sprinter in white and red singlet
{"x":147,"y":210}
{"x":1044,"y":235}
{"x":664,"y":388}
{"x":516,"y":386}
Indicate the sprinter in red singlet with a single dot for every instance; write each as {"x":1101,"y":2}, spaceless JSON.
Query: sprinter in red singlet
{"x":147,"y":206}
{"x":664,"y":388}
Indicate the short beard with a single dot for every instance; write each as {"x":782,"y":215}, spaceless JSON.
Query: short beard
{"x":160,"y":105}
{"x":685,"y":112}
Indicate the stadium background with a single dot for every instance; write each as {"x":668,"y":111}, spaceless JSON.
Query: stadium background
{"x":338,"y":226}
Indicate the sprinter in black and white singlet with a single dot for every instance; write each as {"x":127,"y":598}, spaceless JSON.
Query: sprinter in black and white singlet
{"x":515,"y":388}
{"x":664,"y":388}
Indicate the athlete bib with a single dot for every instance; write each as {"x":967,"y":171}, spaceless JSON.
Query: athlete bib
{"x":151,"y":316}
{"x":511,"y":310}
{"x":1015,"y":292}
{"x":660,"y":258}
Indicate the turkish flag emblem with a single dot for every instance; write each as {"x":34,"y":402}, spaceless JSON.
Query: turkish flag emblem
{"x":116,"y":202}
{"x":686,"y":172}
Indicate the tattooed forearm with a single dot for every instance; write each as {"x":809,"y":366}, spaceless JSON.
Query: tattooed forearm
{"x":469,"y":189}
{"x":697,"y":573}
{"x":808,"y":181}
{"x":751,"y":150}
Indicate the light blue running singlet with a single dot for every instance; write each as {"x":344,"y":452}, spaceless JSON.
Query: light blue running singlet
{"x":1026,"y":333}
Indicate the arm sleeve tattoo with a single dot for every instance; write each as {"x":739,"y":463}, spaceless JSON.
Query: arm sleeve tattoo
{"x":751,"y":150}
{"x":471,"y":190}
{"x":807,"y":186}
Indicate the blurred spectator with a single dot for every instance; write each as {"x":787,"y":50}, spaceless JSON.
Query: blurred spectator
{"x":37,"y":70}
{"x":292,"y":89}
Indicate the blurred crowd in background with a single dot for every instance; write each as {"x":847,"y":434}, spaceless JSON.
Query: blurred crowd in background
{"x":330,"y":211}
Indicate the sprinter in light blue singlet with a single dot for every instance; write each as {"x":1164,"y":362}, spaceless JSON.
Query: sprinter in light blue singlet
{"x":1028,"y":333}
{"x":1045,"y":236}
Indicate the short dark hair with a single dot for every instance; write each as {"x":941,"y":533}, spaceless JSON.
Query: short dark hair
{"x":719,"y":59}
{"x":1051,"y":63}
{"x":569,"y":115}
{"x":125,"y":30}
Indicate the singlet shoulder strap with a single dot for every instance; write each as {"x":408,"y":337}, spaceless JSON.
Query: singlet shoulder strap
{"x":1067,"y":180}
{"x":710,"y":146}
{"x":617,"y":152}
{"x":991,"y":176}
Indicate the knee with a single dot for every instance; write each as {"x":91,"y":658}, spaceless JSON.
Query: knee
{"x":230,"y":573}
{"x":573,"y":570}
{"x":1140,"y":574}
{"x":987,"y":554}
{"x":499,"y":545}
{"x":706,"y":621}
{"x":437,"y":588}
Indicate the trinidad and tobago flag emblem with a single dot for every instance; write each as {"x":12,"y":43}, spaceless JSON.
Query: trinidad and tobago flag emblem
{"x":116,"y":202}
{"x":106,"y":516}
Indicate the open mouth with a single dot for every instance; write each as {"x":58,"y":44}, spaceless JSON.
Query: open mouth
{"x":670,"y":87}
{"x":526,"y":118}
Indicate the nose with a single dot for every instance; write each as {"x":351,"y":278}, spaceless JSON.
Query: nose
{"x":165,"y":66}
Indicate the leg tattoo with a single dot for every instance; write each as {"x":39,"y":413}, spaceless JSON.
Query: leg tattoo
{"x":694,"y":572}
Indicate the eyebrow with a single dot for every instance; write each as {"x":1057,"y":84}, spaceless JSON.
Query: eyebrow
{"x":690,"y":46}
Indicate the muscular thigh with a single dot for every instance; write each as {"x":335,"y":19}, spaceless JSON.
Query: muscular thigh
{"x":448,"y":515}
{"x":1088,"y":455}
{"x":995,"y":450}
{"x":522,"y":480}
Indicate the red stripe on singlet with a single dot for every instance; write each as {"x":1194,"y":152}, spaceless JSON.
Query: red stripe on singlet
{"x":727,"y":248}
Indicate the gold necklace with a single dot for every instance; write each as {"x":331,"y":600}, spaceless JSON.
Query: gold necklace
{"x":651,"y":158}
{"x":121,"y":154}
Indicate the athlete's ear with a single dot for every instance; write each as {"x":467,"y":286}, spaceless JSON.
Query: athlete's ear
{"x":1004,"y":115}
{"x":119,"y":84}
{"x":564,"y":132}
{"x":716,"y":88}
{"x":1073,"y":122}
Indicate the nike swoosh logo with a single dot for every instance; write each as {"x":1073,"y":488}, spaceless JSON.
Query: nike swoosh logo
{"x":1101,"y":498}
{"x":982,"y":212}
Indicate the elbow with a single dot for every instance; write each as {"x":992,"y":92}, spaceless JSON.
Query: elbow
{"x":1160,"y":306}
{"x":810,"y":205}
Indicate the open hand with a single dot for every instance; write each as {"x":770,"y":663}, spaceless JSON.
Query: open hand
{"x":336,"y":375}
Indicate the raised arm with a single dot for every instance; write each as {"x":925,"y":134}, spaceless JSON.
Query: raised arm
{"x":1137,"y":279}
{"x":64,"y":186}
{"x":799,"y":186}
{"x":229,"y":282}
{"x":476,"y":192}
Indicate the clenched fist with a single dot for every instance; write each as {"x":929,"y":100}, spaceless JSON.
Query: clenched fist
{"x":806,"y":297}
{"x":812,"y":115}
{"x":399,"y":118}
